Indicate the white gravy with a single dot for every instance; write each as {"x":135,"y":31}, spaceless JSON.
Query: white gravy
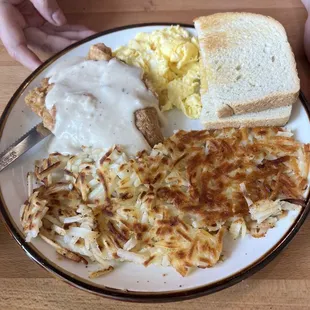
{"x":95,"y":103}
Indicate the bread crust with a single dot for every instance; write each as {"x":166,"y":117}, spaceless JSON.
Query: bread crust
{"x":280,"y":120}
{"x":35,"y":100}
{"x":263,"y":104}
{"x":277,"y":122}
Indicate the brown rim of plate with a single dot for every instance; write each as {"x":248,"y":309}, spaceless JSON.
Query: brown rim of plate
{"x":127,"y":295}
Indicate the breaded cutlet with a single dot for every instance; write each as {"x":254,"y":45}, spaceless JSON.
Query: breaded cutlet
{"x":146,"y":119}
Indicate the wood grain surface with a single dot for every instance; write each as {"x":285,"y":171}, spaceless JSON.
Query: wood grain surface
{"x":283,"y":284}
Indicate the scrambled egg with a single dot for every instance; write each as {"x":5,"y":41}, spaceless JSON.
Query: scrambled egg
{"x":170,"y":60}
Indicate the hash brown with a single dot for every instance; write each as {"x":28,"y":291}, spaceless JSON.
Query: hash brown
{"x":171,"y":206}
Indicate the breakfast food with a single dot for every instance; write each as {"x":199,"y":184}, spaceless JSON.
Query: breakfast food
{"x":99,"y":51}
{"x":271,"y":117}
{"x":169,"y":59}
{"x":96,"y":102}
{"x":247,"y":66}
{"x":170,"y":206}
{"x":147,"y":122}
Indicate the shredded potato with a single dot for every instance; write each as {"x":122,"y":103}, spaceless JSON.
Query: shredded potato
{"x":171,"y":206}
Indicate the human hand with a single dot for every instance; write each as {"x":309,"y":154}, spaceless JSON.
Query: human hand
{"x":307,"y":29}
{"x":36,"y":23}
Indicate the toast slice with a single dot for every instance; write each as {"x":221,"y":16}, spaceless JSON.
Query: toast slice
{"x":210,"y":119}
{"x":248,"y":63}
{"x":271,"y":117}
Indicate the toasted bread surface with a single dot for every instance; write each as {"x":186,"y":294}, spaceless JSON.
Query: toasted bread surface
{"x":247,"y":63}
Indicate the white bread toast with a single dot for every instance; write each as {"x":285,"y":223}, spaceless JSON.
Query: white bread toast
{"x":248,"y":66}
{"x":271,"y":117}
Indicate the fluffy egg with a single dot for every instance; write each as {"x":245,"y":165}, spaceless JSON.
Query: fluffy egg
{"x":170,"y":61}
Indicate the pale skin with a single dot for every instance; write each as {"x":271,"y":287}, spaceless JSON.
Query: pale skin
{"x":307,"y":29}
{"x":36,"y":23}
{"x":42,"y":24}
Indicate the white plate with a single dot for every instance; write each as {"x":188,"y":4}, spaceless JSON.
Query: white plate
{"x":130,"y":281}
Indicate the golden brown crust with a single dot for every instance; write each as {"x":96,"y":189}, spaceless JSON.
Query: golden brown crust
{"x":233,"y":123}
{"x":225,"y":111}
{"x":36,"y":101}
{"x":194,"y":185}
{"x":268,"y":102}
{"x":218,"y":19}
{"x":99,"y":51}
{"x":149,"y":85}
{"x":148,"y":124}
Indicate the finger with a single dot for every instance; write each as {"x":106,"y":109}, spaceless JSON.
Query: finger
{"x":13,"y":38}
{"x":26,"y":57}
{"x":306,"y":4}
{"x":51,"y":11}
{"x":31,"y":15}
{"x":72,"y":35}
{"x":66,"y":27}
{"x":46,"y":42}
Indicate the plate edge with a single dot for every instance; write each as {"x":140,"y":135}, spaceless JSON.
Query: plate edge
{"x":134,"y":296}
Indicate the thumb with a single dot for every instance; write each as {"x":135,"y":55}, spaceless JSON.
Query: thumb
{"x":50,"y":11}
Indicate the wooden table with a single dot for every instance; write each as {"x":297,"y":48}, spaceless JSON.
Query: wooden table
{"x":283,"y":284}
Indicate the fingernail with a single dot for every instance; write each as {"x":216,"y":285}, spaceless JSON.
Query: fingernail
{"x":59,"y":18}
